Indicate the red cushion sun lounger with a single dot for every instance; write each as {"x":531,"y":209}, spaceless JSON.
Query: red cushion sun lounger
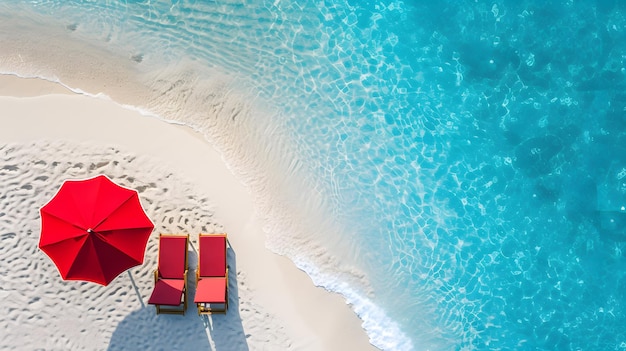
{"x":170,"y":278}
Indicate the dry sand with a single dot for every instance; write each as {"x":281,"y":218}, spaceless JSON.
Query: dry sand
{"x":49,"y":134}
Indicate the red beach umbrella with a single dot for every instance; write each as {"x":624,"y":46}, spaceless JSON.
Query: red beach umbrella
{"x":94,"y":229}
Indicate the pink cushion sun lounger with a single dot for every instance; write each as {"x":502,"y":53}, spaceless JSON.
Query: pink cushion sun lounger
{"x":212,"y":274}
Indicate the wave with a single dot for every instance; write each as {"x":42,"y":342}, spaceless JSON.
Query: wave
{"x":245,"y":128}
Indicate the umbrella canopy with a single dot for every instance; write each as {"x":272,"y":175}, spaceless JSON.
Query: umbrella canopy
{"x":94,"y":229}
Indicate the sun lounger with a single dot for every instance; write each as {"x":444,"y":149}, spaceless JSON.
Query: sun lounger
{"x":212,"y":274}
{"x":170,"y":278}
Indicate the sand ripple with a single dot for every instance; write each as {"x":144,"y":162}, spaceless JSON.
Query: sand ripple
{"x":41,"y":311}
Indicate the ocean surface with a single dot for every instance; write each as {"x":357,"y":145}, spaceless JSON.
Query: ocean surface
{"x":469,"y":156}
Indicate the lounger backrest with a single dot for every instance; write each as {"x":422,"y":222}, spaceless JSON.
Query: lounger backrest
{"x":172,"y":256}
{"x":212,"y":259}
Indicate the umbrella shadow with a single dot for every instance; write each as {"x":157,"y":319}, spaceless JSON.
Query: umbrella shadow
{"x":226,"y":330}
{"x":143,"y":329}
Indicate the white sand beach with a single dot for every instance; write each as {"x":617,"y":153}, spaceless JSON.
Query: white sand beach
{"x":49,"y":134}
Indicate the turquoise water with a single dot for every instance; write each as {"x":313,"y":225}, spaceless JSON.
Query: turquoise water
{"x":473,"y":152}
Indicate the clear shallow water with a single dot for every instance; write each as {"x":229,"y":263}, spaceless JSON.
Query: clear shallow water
{"x":473,"y":153}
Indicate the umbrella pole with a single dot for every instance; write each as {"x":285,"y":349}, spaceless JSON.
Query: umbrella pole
{"x":143,"y":305}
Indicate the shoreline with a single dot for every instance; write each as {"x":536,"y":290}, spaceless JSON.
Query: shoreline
{"x":314,"y":318}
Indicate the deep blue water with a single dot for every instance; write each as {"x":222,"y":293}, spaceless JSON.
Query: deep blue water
{"x":475,"y":152}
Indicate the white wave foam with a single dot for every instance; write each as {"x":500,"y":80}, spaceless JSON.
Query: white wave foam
{"x":383,"y":332}
{"x":251,"y":139}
